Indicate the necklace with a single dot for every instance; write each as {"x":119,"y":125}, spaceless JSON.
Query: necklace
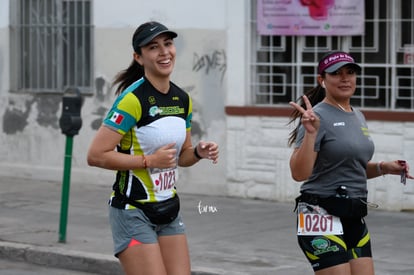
{"x":342,"y":108}
{"x":339,"y":105}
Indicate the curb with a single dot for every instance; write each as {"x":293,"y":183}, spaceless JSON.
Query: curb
{"x":60,"y":258}
{"x":68,"y":259}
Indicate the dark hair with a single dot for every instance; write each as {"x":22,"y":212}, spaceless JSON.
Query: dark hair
{"x":135,"y":71}
{"x":315,"y":95}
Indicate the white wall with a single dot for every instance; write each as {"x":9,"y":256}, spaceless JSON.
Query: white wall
{"x":238,"y":37}
{"x":254,"y":153}
{"x":35,"y":147}
{"x":4,"y":14}
{"x":4,"y":50}
{"x":181,"y":14}
{"x":258,"y":161}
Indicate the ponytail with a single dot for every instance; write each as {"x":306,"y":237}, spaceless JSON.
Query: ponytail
{"x":128,"y":76}
{"x":135,"y":71}
{"x":315,"y":95}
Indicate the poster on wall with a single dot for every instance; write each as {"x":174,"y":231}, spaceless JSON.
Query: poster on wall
{"x":310,"y":17}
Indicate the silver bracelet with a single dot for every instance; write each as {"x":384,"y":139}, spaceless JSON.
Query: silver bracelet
{"x":379,"y":168}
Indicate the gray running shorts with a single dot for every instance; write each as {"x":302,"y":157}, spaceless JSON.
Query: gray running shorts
{"x":133,"y":224}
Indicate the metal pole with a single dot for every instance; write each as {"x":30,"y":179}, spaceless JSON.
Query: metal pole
{"x":65,"y":190}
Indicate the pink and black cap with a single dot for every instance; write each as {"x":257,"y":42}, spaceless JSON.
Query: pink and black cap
{"x":148,"y":32}
{"x":333,"y":61}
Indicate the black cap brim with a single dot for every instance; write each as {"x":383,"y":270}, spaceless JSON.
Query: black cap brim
{"x":152,"y":36}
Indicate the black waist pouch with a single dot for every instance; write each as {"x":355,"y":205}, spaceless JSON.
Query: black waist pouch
{"x":161,"y":212}
{"x":337,"y":206}
{"x":157,"y":212}
{"x":345,"y":207}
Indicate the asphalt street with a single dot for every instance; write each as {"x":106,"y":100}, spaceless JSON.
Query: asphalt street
{"x":234,"y":236}
{"x":10,"y":267}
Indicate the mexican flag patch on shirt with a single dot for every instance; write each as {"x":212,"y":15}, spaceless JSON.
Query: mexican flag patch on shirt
{"x":116,"y":117}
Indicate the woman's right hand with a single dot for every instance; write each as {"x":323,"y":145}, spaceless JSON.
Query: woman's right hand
{"x":303,"y":158}
{"x":309,"y":119}
{"x":164,"y":157}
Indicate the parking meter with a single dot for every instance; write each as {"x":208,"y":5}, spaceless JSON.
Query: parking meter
{"x":70,"y":122}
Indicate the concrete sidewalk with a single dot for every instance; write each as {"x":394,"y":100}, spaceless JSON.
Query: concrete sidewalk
{"x":226,"y":235}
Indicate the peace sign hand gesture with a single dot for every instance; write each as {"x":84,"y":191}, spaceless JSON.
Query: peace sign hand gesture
{"x":309,"y":119}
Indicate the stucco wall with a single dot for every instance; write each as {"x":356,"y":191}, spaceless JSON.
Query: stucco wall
{"x":200,"y":70}
{"x":213,"y":66}
{"x":32,"y":144}
{"x":258,"y":161}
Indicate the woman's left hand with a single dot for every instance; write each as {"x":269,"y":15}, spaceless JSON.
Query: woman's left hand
{"x":396,"y":167}
{"x":208,"y":150}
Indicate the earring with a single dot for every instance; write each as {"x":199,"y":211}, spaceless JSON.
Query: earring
{"x":323,"y":84}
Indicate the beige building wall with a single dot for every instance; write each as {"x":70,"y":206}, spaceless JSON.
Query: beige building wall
{"x":213,"y":66}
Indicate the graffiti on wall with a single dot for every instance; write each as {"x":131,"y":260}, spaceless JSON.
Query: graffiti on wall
{"x":211,"y":65}
{"x":16,"y":115}
{"x":102,"y":94}
{"x":214,"y":61}
{"x":197,"y":129}
{"x":16,"y":119}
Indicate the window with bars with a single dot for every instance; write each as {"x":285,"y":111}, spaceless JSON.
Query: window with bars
{"x":51,"y":45}
{"x":284,"y":67}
